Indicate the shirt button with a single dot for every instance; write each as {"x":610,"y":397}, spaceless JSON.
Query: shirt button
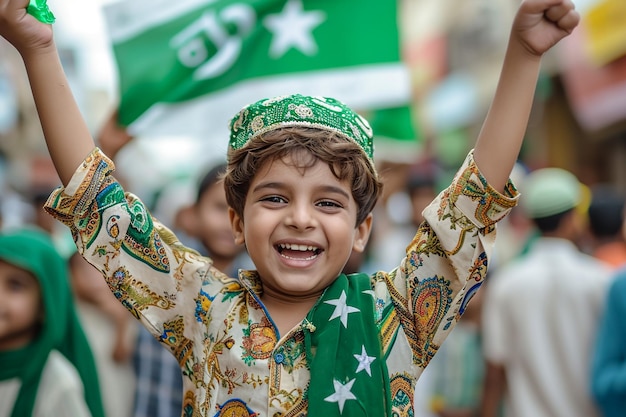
{"x":279,"y":358}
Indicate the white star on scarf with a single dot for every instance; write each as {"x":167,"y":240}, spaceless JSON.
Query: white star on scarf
{"x":341,"y":309}
{"x":342,"y":394}
{"x":370,"y":292}
{"x":364,"y":361}
{"x":292,"y":28}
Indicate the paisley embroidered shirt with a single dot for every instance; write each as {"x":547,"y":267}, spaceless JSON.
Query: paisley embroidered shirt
{"x":233,"y":359}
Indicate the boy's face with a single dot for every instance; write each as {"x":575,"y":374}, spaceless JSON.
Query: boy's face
{"x":299,"y":228}
{"x":213,"y":223}
{"x":20,"y":306}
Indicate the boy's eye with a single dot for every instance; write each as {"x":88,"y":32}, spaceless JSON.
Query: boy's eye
{"x":329,"y":203}
{"x":274,"y":199}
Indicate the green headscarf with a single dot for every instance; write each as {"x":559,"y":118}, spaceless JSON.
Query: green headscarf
{"x":33,"y":251}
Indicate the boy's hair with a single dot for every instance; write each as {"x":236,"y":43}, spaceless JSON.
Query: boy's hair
{"x":212,"y":176}
{"x":305,"y":146}
{"x":606,"y":212}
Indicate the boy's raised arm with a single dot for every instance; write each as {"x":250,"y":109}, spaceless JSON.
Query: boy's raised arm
{"x":67,"y":135}
{"x":538,"y":25}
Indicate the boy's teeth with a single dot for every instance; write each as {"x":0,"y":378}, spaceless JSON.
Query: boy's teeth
{"x":302,"y":248}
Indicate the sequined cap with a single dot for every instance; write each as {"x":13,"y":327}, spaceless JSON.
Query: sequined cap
{"x":298,"y":110}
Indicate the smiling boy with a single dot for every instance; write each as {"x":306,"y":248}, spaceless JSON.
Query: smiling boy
{"x":295,"y":336}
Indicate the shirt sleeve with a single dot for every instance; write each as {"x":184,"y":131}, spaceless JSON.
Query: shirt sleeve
{"x":445,"y":263}
{"x":161,"y":282}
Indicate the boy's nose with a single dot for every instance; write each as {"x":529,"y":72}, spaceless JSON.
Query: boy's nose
{"x":300,"y":216}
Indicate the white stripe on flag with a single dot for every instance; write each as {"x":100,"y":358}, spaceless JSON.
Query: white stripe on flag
{"x":367,"y":87}
{"x":126,"y":19}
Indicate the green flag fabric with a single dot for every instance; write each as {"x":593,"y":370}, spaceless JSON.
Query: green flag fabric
{"x":397,"y":136}
{"x":187,"y":66}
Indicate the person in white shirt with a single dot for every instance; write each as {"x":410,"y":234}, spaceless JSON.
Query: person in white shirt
{"x":541,"y":311}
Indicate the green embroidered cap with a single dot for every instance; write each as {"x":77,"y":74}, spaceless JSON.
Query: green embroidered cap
{"x":298,"y":110}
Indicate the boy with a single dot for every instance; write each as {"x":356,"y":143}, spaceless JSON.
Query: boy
{"x":294,"y":337}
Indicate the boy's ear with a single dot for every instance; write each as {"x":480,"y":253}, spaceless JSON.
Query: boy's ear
{"x":236,"y":224}
{"x":362,"y":235}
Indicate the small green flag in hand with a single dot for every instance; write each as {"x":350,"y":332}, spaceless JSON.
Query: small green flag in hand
{"x":40,"y":10}
{"x":187,"y":67}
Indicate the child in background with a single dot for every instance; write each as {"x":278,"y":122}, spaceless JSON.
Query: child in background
{"x":295,"y":336}
{"x":207,"y":221}
{"x":46,"y":365}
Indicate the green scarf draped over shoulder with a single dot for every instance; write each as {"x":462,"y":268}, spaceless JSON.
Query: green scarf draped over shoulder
{"x":32,"y":250}
{"x":349,"y":376}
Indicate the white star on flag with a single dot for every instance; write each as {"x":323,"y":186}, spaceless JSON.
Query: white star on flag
{"x":292,"y":28}
{"x":342,"y":394}
{"x":364,"y":361}
{"x":341,"y":309}
{"x":370,"y":292}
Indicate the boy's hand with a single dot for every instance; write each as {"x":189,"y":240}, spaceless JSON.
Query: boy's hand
{"x":22,"y":30}
{"x":540,"y":24}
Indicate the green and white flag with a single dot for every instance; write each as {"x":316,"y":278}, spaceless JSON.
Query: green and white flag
{"x":187,"y":66}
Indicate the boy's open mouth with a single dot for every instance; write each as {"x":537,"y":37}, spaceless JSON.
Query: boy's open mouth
{"x":298,"y":252}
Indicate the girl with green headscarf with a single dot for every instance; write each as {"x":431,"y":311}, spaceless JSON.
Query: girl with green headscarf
{"x":46,"y":365}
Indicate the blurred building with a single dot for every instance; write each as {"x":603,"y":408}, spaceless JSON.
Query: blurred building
{"x":579,"y":120}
